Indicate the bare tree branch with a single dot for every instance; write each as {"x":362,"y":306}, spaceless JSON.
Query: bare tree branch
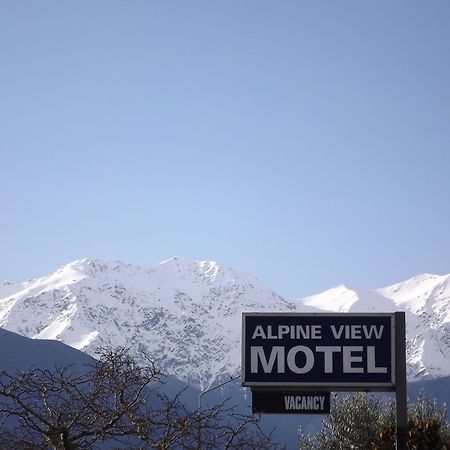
{"x":114,"y":400}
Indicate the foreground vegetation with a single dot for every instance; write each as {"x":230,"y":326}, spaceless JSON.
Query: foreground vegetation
{"x":364,"y":422}
{"x":117,"y":404}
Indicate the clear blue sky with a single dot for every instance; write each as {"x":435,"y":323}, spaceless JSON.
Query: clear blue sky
{"x":305,"y":142}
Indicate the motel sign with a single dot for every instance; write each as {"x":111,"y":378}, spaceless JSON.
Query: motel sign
{"x":318,"y":350}
{"x":284,"y":355}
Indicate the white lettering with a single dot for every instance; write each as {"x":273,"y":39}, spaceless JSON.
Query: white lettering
{"x":301,"y":359}
{"x":282,"y":330}
{"x":276,"y":354}
{"x":337,"y":334}
{"x":302,"y":332}
{"x":269,"y":333}
{"x":373,"y":330}
{"x":328,"y":355}
{"x":316,"y":332}
{"x":322,"y":402}
{"x":356,"y":331}
{"x":292,"y":331}
{"x":349,"y":359}
{"x":303,"y":402}
{"x":259,"y":332}
{"x":371,"y":367}
{"x":309,"y":362}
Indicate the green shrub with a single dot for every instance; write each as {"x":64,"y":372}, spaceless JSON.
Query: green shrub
{"x":363,"y":422}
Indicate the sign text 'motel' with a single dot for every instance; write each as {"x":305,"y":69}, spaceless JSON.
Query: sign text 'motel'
{"x":323,"y":350}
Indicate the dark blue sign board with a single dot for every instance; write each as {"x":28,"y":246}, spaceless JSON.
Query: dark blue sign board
{"x":319,"y":350}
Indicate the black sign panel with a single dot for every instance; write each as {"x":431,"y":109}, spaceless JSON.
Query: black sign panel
{"x":290,"y":402}
{"x":332,"y":350}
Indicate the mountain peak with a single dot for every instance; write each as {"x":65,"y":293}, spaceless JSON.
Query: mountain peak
{"x":337,"y":299}
{"x":176,"y":260}
{"x":183,"y":314}
{"x":186,"y":315}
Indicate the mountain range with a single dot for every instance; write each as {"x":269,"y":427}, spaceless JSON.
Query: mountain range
{"x":186,"y":315}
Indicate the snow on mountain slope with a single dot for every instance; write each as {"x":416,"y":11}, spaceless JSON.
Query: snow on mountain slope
{"x":426,"y":301}
{"x":426,"y":298}
{"x":7,"y":288}
{"x":344,"y":299}
{"x":187,"y":315}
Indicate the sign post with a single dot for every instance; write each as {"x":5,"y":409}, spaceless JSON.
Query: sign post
{"x":400,"y":387}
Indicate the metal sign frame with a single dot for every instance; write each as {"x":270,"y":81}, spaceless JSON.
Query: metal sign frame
{"x":331,"y":386}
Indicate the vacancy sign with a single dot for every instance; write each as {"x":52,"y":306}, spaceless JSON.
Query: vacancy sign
{"x":318,"y":350}
{"x":290,"y":402}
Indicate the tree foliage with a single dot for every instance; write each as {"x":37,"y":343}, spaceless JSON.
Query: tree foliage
{"x":115,"y":403}
{"x":364,"y":422}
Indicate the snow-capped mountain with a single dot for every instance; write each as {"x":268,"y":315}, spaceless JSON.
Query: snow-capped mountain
{"x":426,"y":301}
{"x":186,"y":315}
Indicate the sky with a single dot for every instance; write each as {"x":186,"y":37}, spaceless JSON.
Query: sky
{"x":304,"y":142}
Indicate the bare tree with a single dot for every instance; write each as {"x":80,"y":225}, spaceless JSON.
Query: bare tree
{"x":117,"y":403}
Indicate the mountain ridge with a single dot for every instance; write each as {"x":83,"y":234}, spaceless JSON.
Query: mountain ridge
{"x":187,"y":314}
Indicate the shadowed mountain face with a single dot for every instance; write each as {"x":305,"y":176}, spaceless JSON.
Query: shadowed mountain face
{"x":187,"y":315}
{"x":20,"y":353}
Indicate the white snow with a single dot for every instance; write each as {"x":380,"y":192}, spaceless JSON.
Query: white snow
{"x":186,"y":315}
{"x":8,"y":288}
{"x":85,"y":340}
